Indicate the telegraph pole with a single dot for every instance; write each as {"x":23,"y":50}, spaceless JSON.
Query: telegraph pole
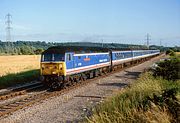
{"x":147,"y":40}
{"x":102,"y":43}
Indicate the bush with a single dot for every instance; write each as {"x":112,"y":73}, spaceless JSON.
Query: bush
{"x":168,"y":69}
{"x":170,"y":52}
{"x":148,"y":99}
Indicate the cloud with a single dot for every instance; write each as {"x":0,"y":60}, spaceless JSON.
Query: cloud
{"x":49,"y":37}
{"x":20,"y":27}
{"x":70,"y":37}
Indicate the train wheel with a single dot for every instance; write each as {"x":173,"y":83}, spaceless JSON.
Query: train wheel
{"x":64,"y":85}
{"x":84,"y":77}
{"x":54,"y":85}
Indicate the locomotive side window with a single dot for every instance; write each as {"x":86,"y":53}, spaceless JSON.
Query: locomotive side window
{"x":69,"y":57}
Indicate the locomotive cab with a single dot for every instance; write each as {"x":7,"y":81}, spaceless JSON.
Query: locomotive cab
{"x":52,"y":68}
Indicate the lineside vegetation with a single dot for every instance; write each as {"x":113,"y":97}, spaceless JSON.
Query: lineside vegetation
{"x":152,"y":98}
{"x":18,"y":69}
{"x":18,"y":78}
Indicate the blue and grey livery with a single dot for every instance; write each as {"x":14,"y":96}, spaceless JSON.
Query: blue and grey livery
{"x":64,"y":65}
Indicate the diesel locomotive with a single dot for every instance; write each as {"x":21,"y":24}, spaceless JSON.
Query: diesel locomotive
{"x":63,"y":66}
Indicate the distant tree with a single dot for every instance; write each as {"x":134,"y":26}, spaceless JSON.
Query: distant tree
{"x":26,"y":50}
{"x":170,"y":52}
{"x":35,"y":47}
{"x":38,"y":51}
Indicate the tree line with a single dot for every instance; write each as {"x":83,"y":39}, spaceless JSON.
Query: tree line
{"x":37,"y":47}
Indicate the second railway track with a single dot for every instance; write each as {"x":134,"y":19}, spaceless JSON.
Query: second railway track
{"x":19,"y":90}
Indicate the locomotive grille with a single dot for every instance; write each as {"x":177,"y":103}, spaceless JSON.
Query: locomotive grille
{"x":52,"y":69}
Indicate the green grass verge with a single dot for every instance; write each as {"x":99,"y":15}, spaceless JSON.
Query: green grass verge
{"x":18,"y":78}
{"x":146,"y":100}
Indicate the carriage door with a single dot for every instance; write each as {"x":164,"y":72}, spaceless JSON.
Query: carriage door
{"x":69,"y":60}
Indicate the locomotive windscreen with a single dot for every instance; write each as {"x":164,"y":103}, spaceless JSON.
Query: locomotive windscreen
{"x":52,"y":57}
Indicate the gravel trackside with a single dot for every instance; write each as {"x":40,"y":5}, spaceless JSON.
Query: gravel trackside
{"x":75,"y":104}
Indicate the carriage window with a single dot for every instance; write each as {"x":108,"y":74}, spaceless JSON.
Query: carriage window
{"x":119,"y":55}
{"x":79,"y":57}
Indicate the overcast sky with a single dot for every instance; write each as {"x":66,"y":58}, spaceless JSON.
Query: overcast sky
{"x":117,"y":21}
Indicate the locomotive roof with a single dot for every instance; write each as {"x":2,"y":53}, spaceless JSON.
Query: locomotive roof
{"x":85,"y":49}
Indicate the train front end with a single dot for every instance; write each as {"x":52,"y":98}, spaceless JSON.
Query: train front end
{"x":52,"y":69}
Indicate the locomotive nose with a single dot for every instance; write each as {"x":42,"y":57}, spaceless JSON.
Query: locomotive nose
{"x":52,"y":69}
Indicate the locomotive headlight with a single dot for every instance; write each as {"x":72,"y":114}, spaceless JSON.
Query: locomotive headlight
{"x":42,"y":66}
{"x":60,"y":66}
{"x":53,"y":72}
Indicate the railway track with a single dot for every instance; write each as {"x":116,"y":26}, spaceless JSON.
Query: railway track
{"x":19,"y":90}
{"x":8,"y":108}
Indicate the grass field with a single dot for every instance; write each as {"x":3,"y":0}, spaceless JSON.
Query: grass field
{"x":177,"y":54}
{"x":18,"y":69}
{"x":16,"y":64}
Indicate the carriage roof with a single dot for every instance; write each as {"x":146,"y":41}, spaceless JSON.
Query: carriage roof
{"x":81,"y":49}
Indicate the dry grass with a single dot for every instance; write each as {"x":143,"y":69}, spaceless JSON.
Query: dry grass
{"x":16,"y":64}
{"x":135,"y":103}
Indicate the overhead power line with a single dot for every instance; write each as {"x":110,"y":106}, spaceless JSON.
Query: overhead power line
{"x":8,"y":27}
